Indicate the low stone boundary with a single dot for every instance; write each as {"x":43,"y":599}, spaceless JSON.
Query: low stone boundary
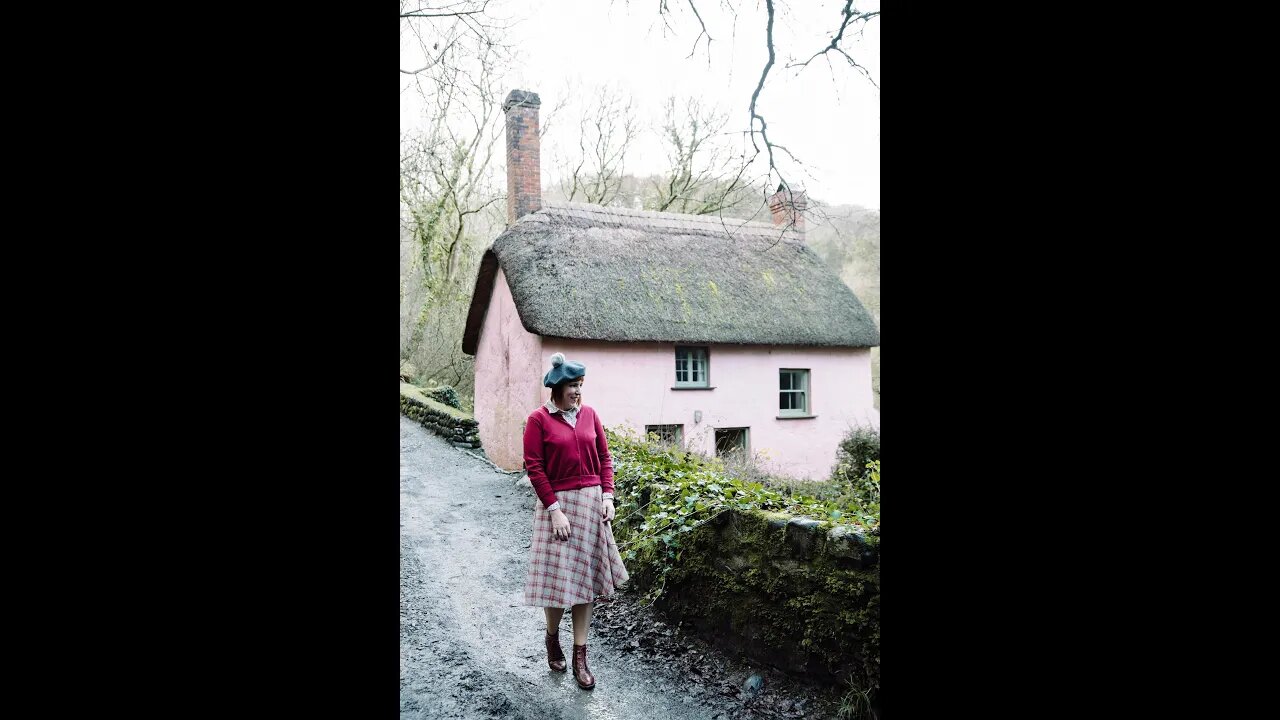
{"x":797,"y":593}
{"x":456,"y":426}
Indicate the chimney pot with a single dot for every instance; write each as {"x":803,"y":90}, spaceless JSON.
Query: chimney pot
{"x":787,"y":207}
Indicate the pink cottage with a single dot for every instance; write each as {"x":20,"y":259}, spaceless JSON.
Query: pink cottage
{"x":724,"y":335}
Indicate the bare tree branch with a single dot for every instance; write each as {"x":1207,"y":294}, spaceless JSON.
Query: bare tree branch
{"x":605,"y":134}
{"x":704,"y":32}
{"x":759,"y":132}
{"x":432,"y":15}
{"x":755,"y":96}
{"x":443,"y":11}
{"x":435,"y":62}
{"x":704,"y":177}
{"x":849,"y":16}
{"x":451,"y":21}
{"x":448,"y":190}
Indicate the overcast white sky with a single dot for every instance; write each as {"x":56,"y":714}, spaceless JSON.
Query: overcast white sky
{"x":828,"y":116}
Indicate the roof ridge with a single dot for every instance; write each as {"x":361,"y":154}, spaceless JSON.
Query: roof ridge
{"x":628,"y":216}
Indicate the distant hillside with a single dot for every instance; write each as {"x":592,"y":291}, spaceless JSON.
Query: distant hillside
{"x":847,"y":238}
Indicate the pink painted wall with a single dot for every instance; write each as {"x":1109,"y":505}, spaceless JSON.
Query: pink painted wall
{"x":508,"y":376}
{"x":630,"y":384}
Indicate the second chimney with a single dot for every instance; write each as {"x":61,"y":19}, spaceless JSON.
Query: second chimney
{"x":524,"y":174}
{"x":788,"y":208}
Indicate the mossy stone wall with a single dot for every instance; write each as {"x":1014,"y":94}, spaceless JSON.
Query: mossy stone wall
{"x":456,"y":426}
{"x":797,"y":593}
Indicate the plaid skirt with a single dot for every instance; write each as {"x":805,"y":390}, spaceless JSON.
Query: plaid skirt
{"x":564,"y":573}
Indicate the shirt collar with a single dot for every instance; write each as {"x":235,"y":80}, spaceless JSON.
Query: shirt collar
{"x":553,"y":409}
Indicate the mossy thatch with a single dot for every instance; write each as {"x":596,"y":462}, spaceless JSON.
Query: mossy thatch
{"x":595,"y":273}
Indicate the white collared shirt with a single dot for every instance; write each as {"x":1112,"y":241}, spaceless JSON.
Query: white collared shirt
{"x":570,"y":416}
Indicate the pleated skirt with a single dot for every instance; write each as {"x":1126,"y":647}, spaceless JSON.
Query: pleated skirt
{"x":564,"y":573}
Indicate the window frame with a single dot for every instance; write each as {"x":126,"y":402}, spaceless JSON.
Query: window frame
{"x":679,"y":431}
{"x":746,"y":440}
{"x":693,"y":353}
{"x":804,"y":392}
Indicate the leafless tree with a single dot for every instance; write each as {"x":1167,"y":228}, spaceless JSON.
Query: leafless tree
{"x":445,"y":170}
{"x":849,"y":23}
{"x":591,"y":169}
{"x":706,"y":175}
{"x":440,"y":28}
{"x":450,"y":195}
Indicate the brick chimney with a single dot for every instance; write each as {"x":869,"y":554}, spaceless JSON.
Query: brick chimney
{"x":524,"y":175}
{"x":788,"y":207}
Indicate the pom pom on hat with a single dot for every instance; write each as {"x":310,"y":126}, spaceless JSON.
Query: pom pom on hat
{"x":557,"y":360}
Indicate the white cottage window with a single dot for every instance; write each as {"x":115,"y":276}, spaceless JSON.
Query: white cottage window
{"x":793,"y":392}
{"x":692,"y":367}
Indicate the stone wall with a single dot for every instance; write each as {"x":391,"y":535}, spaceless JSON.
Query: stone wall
{"x":792,"y":592}
{"x":455,"y":425}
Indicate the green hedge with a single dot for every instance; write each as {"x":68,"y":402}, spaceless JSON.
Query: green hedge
{"x":791,"y":580}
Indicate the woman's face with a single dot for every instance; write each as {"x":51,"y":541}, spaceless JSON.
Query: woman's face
{"x":573,"y":392}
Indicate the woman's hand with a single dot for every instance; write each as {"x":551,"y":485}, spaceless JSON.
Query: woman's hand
{"x":559,"y":524}
{"x":607,"y":510}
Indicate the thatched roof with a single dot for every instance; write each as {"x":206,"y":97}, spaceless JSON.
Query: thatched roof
{"x":596,"y":273}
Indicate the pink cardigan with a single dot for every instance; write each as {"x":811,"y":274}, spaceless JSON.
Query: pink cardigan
{"x":558,"y":456}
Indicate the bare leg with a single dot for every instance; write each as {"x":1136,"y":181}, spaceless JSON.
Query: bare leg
{"x":581,"y":621}
{"x":553,"y":620}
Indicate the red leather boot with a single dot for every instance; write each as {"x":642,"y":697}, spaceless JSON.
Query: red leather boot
{"x":555,"y":656}
{"x":585,"y":679}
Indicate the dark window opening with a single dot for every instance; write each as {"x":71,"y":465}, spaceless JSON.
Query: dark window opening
{"x":672,"y":434}
{"x":731,"y":443}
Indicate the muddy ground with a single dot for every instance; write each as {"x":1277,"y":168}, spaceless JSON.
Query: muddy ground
{"x":470,"y":649}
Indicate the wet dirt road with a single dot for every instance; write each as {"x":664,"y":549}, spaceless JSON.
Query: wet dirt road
{"x":470,"y":649}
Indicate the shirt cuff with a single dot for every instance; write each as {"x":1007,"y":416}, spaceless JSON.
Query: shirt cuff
{"x":607,"y":496}
{"x":553,"y":506}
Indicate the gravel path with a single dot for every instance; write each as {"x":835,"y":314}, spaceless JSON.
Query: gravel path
{"x":470,"y":649}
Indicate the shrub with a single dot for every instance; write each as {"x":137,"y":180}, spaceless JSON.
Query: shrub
{"x":860,"y":446}
{"x":733,"y":572}
{"x":663,"y":492}
{"x":446,"y":395}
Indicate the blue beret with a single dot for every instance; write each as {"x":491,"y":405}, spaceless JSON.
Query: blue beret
{"x":561,"y":371}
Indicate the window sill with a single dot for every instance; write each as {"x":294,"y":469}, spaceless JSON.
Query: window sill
{"x":694,"y":388}
{"x":796,"y":417}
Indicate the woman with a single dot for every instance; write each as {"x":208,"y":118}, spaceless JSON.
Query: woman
{"x":573,"y":556}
